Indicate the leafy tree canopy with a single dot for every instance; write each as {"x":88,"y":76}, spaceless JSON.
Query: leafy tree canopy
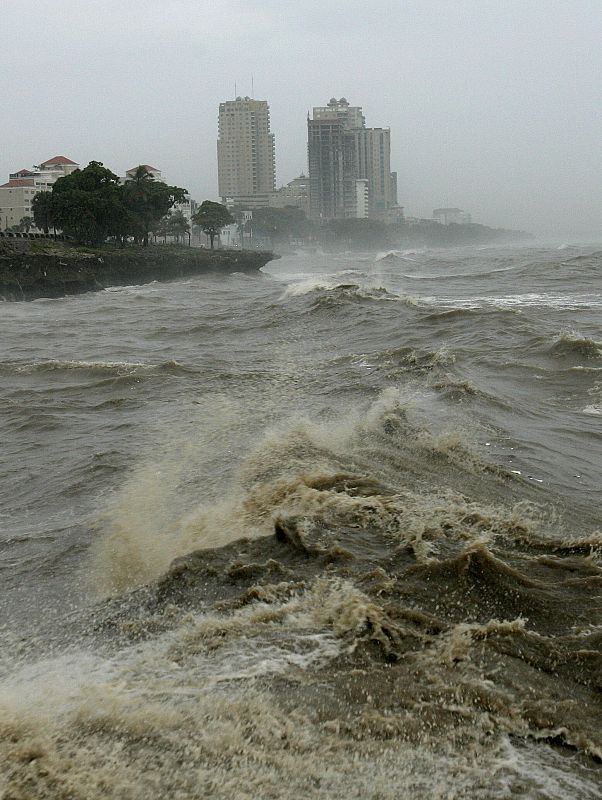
{"x":91,"y":204}
{"x":93,"y":178}
{"x":41,"y":207}
{"x":149,"y":200}
{"x":358,"y":232}
{"x":177,"y":225}
{"x":211,"y":218}
{"x":87,"y":204}
{"x":282,"y":223}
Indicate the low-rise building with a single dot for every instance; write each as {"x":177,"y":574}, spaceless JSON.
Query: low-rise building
{"x":295,"y":193}
{"x":17,"y":194}
{"x":130,"y":174}
{"x":395,"y":215}
{"x":15,"y":201}
{"x":249,"y":201}
{"x":449,"y":216}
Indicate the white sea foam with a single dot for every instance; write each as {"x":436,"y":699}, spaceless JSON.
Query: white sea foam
{"x":401,"y":255}
{"x":309,"y":285}
{"x":530,"y":300}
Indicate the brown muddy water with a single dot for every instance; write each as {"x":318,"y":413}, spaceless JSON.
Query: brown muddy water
{"x":329,"y":531}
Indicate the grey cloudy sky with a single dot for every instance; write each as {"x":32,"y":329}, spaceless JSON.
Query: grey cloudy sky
{"x":494,"y":105}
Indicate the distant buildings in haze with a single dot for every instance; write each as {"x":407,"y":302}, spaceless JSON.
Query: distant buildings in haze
{"x":447,"y":216}
{"x":295,"y":193}
{"x":349,"y":175}
{"x":349,"y":164}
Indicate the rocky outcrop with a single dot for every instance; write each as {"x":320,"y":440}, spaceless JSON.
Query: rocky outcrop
{"x":52,"y":271}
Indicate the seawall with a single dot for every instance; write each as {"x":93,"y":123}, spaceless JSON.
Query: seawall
{"x":34,"y":272}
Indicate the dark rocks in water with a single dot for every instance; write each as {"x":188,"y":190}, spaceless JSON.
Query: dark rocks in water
{"x":51,"y":271}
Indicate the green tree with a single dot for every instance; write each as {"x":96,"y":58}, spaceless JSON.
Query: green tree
{"x":160,"y":230}
{"x":211,"y":218}
{"x":41,"y":207}
{"x":243,"y":221}
{"x":358,"y":233}
{"x":26,"y":223}
{"x":282,"y":224}
{"x":177,"y":225}
{"x":91,"y":205}
{"x":148,"y":201}
{"x":87,"y":204}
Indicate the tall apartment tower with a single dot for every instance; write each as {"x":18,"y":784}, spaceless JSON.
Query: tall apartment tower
{"x":373,"y":148}
{"x":349,"y":164}
{"x":245,"y":153}
{"x":332,"y":160}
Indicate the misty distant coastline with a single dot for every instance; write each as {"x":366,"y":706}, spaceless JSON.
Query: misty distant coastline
{"x":366,"y":234}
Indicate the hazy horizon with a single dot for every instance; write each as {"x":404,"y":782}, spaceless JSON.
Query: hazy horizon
{"x":495,"y":110}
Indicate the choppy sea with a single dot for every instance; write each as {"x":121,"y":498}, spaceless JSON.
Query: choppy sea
{"x":332,"y":530}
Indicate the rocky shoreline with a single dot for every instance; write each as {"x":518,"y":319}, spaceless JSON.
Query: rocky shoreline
{"x":29,"y":271}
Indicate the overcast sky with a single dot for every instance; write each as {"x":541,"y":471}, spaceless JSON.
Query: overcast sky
{"x":494,"y":105}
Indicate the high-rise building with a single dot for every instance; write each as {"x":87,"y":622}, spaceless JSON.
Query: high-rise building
{"x":346,"y":158}
{"x":350,"y":116}
{"x":332,"y":160}
{"x":373,"y":147}
{"x":245,"y":153}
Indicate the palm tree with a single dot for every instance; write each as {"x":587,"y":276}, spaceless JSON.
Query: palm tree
{"x":26,"y":223}
{"x":41,"y":206}
{"x":137,"y":192}
{"x":178,"y":225}
{"x":160,"y":230}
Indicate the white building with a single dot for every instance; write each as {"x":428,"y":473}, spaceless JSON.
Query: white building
{"x":152,"y":171}
{"x":15,"y":201}
{"x":373,"y":153}
{"x":362,"y":198}
{"x":22,"y":186}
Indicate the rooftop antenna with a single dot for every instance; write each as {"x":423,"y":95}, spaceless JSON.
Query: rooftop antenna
{"x":235,"y":92}
{"x":252,"y":87}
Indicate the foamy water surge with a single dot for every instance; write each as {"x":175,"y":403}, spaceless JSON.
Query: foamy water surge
{"x":331,"y":570}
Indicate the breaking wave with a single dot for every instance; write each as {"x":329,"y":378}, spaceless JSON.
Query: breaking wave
{"x":373,"y":598}
{"x":573,"y":345}
{"x":349,"y":294}
{"x":398,"y":255}
{"x":90,"y":368}
{"x":331,"y":294}
{"x":299,"y":592}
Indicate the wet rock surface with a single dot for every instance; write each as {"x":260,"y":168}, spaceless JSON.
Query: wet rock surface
{"x":49,"y":271}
